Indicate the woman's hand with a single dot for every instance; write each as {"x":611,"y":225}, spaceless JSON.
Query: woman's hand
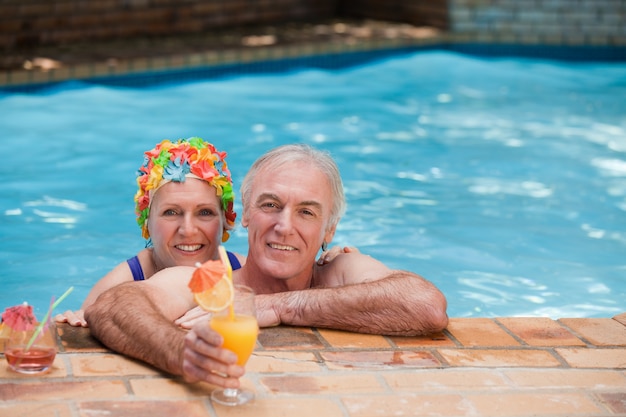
{"x":195,"y":315}
{"x":332,"y":253}
{"x":73,"y":318}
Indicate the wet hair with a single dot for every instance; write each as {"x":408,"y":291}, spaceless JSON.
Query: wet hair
{"x":284,"y":154}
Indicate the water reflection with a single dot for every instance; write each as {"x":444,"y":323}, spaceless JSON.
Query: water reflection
{"x":523,"y":188}
{"x":40,"y":209}
{"x":482,"y":293}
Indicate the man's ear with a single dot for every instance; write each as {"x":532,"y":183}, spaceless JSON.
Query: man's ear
{"x":330,"y":233}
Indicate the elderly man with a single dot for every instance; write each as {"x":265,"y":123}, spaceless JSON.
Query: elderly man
{"x":292,"y":201}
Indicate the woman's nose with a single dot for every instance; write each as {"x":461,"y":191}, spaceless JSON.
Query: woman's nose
{"x":187,"y":225}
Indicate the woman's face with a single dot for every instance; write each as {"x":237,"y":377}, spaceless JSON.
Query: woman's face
{"x":186,"y":223}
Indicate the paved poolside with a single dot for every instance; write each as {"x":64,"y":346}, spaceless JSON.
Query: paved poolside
{"x":477,"y":367}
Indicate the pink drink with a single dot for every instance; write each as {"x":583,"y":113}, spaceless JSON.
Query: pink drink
{"x":31,"y":351}
{"x":36,"y":359}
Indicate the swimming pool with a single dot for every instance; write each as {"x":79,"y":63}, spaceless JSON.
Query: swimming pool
{"x":501,"y":180}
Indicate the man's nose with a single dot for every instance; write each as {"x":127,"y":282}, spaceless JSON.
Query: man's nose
{"x":284,"y":223}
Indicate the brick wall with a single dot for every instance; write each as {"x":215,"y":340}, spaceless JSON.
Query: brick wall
{"x":28,"y":23}
{"x":417,"y":12}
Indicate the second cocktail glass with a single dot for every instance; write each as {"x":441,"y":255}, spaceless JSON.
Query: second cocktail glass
{"x":239,"y":328}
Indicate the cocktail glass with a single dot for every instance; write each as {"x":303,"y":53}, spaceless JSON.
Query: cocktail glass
{"x":29,"y":354}
{"x":239,"y":328}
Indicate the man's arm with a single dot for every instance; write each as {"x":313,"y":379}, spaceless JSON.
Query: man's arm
{"x":360,"y":294}
{"x":136,"y":319}
{"x":118,"y":275}
{"x":128,"y":320}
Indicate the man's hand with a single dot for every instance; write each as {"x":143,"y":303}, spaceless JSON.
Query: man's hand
{"x":266,"y":314}
{"x":205,"y":360}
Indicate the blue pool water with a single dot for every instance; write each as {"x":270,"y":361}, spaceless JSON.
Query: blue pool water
{"x":503,"y":181}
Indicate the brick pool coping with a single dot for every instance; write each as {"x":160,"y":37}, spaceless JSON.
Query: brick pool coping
{"x":137,"y":57}
{"x":508,"y":366}
{"x":175,"y":53}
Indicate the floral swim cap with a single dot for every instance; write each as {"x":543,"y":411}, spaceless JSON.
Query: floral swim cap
{"x":176,"y":161}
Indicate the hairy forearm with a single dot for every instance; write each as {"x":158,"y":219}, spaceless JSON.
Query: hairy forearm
{"x":111,"y":325}
{"x":400,"y":304}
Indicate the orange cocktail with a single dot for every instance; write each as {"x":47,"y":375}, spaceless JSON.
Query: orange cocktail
{"x":234,"y":317}
{"x":239,"y":332}
{"x":238,"y":326}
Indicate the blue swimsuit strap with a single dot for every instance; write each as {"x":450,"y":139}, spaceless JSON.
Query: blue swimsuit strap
{"x":137,"y":271}
{"x":234,"y":262}
{"x":135,"y":268}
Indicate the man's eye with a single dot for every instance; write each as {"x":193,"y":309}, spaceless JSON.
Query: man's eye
{"x":269,"y":205}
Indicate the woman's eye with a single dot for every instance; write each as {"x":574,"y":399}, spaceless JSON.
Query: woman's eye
{"x":169,"y":212}
{"x":207,"y":212}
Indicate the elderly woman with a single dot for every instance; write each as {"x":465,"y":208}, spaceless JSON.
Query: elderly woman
{"x":184,"y":206}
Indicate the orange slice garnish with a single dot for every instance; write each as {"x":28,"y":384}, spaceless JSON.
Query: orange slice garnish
{"x":217,"y":298}
{"x":211,"y":287}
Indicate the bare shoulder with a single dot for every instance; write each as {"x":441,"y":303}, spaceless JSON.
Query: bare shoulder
{"x":348,"y":269}
{"x":171,"y":283}
{"x":169,"y":289}
{"x":147,"y":264}
{"x":174,"y":277}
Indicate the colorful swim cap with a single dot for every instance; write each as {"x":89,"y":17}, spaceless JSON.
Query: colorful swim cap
{"x":186,"y":158}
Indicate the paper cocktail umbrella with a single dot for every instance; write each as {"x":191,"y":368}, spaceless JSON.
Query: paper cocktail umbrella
{"x":19,"y":317}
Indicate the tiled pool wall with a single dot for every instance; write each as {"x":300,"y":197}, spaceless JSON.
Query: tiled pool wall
{"x":561,"y":22}
{"x":475,"y":26}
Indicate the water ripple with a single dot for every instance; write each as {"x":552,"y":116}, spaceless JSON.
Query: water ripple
{"x":497,"y":186}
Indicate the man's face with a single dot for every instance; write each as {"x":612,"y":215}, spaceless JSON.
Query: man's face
{"x":287,"y":219}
